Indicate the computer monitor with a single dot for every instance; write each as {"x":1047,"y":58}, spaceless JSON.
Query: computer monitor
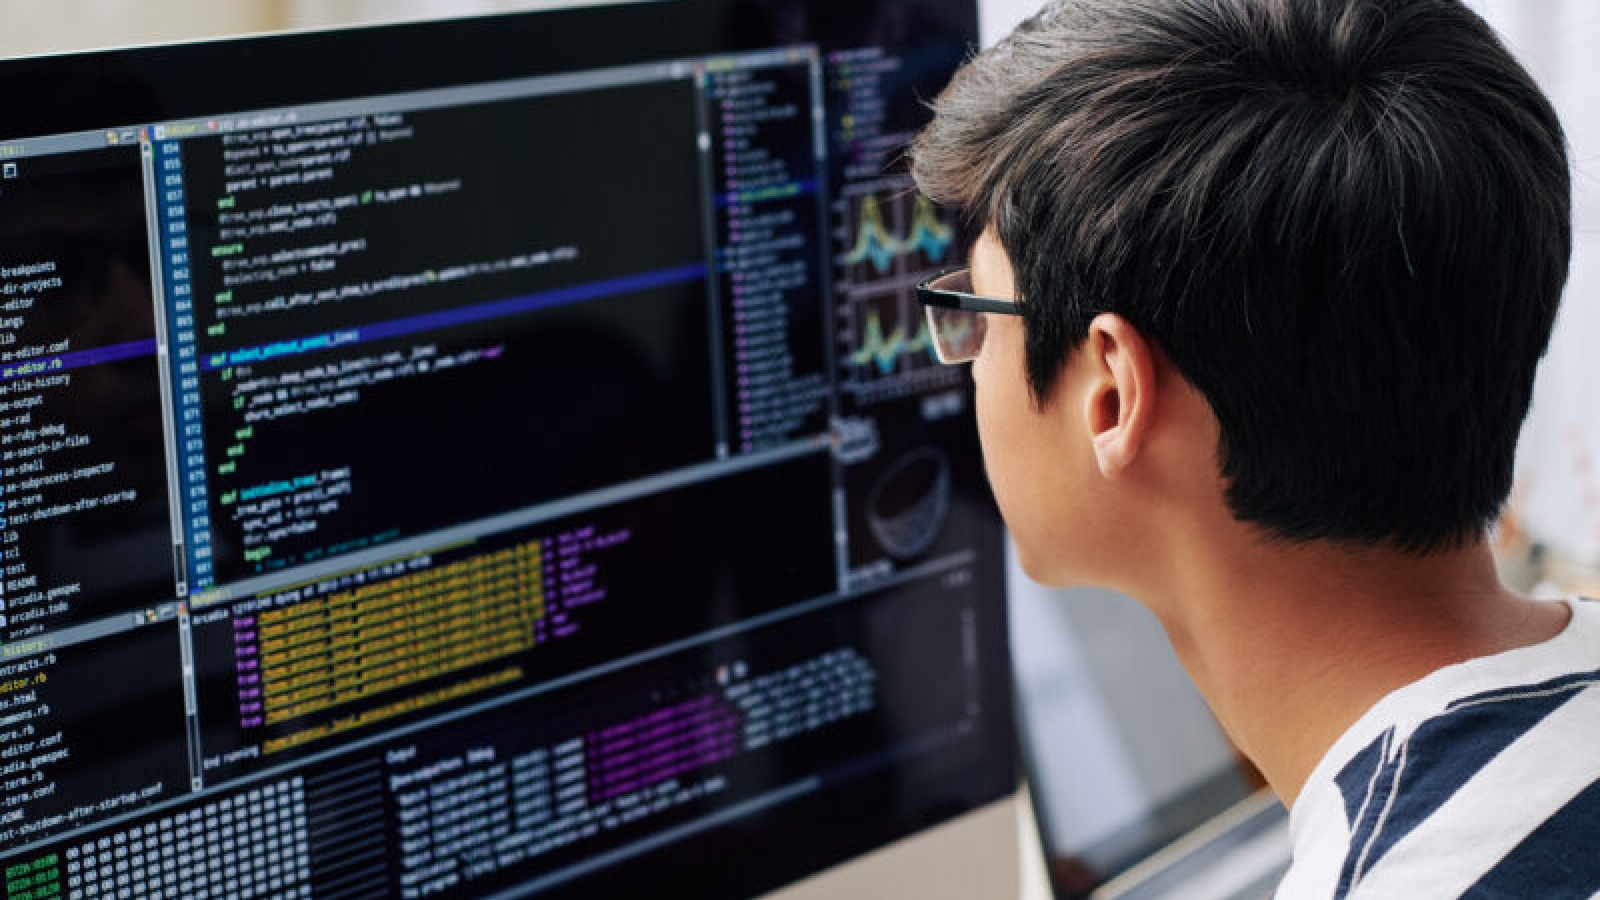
{"x":491,"y":458}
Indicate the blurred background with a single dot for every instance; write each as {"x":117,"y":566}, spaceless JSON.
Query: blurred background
{"x":1119,"y":744}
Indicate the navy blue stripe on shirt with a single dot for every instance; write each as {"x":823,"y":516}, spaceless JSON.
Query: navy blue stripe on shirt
{"x":1440,"y":756}
{"x":1355,"y":779}
{"x":1367,"y":789}
{"x":1558,"y":861}
{"x":1365,"y":783}
{"x":1577,"y":679}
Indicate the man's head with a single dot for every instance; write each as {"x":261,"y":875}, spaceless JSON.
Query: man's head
{"x":1337,"y":228}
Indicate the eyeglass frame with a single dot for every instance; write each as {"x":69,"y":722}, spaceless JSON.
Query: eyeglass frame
{"x":934,"y":299}
{"x":944,"y":298}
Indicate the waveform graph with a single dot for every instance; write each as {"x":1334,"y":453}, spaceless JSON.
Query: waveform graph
{"x":886,"y":349}
{"x":893,"y":231}
{"x":899,"y":346}
{"x":887,"y":239}
{"x":887,"y":336}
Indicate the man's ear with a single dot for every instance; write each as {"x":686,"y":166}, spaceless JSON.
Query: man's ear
{"x":1120,"y":405}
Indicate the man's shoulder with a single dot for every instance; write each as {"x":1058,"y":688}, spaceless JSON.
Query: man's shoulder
{"x":1493,"y":792}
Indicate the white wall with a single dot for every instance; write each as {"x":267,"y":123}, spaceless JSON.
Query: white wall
{"x":1558,"y":491}
{"x":30,"y":27}
{"x":312,"y":13}
{"x":997,"y":17}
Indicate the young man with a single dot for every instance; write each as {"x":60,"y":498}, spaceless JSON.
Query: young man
{"x":1254,"y":321}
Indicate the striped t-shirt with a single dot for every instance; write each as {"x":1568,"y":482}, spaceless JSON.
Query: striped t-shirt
{"x":1479,"y":782}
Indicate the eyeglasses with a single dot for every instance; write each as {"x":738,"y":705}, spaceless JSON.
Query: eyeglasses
{"x":956,"y":315}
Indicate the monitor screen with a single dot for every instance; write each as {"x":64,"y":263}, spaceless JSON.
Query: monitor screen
{"x":485,"y":458}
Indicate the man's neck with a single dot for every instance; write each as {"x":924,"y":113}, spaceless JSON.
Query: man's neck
{"x":1292,"y":644}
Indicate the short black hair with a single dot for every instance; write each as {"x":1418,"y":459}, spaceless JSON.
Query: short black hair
{"x":1345,"y":222}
